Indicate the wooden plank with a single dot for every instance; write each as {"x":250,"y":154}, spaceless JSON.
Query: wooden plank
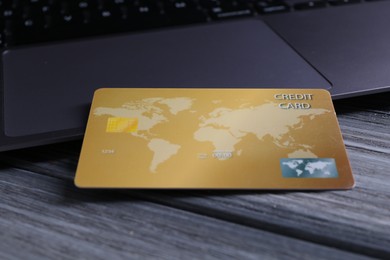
{"x":356,"y":220}
{"x":46,"y":217}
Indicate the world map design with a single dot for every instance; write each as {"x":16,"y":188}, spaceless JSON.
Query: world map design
{"x":218,"y":130}
{"x":309,"y":168}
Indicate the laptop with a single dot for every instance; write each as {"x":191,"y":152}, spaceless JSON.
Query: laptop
{"x":55,"y":54}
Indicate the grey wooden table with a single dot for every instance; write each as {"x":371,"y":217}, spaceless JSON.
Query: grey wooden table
{"x":42,"y":214}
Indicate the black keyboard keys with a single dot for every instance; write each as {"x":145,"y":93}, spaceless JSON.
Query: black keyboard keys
{"x":30,"y":21}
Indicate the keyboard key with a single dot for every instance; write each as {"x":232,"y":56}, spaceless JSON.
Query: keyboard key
{"x":184,"y":12}
{"x":218,"y":13}
{"x":8,"y":13}
{"x":145,"y":15}
{"x":86,"y":5}
{"x":228,"y":9}
{"x":343,"y":2}
{"x":269,"y":7}
{"x":309,"y":5}
{"x":2,"y":37}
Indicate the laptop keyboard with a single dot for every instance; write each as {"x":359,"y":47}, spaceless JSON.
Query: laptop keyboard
{"x":32,"y":21}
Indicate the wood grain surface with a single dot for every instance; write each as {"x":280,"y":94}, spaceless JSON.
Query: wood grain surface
{"x":42,"y":214}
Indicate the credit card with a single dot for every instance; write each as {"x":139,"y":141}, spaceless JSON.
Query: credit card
{"x":213,"y":139}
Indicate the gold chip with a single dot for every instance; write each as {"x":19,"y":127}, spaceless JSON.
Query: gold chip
{"x":121,"y":125}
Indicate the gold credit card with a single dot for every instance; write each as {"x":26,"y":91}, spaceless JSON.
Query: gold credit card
{"x":213,"y":139}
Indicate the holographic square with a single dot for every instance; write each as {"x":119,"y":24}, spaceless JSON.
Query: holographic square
{"x":309,"y":168}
